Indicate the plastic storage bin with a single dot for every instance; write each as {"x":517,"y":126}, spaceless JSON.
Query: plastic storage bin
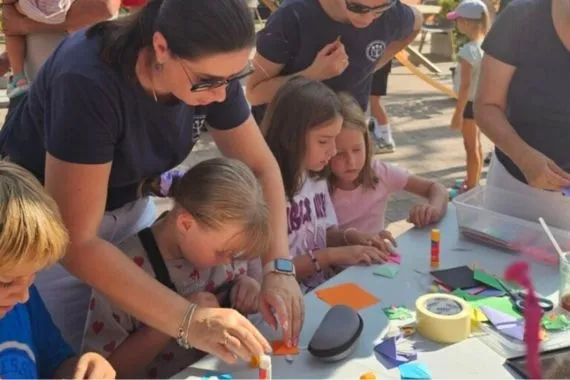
{"x":513,"y":232}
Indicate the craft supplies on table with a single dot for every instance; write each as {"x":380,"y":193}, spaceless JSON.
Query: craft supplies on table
{"x":434,"y":249}
{"x":443,"y":318}
{"x":511,"y":232}
{"x":564,"y":291}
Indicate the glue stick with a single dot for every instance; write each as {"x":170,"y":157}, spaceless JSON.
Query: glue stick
{"x":434,"y":261}
{"x":265,"y":367}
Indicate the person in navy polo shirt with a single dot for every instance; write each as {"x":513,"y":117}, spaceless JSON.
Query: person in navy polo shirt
{"x":124,"y":102}
{"x":341,"y":42}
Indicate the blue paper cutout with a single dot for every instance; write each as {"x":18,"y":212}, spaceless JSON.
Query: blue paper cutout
{"x":414,"y":370}
{"x":389,"y":349}
{"x":491,"y":293}
{"x":221,"y":376}
{"x":566,"y":191}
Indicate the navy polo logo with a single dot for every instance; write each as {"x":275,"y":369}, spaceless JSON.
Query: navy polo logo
{"x":375,"y":50}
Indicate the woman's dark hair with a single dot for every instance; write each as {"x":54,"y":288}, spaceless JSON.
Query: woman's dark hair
{"x":191,"y":27}
{"x":300,"y":105}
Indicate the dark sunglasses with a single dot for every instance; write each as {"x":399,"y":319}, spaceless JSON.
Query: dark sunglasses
{"x":205,"y":85}
{"x":364,"y":9}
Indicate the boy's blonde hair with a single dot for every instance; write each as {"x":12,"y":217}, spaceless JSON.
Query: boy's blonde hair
{"x":223,"y":190}
{"x":354,"y":118}
{"x":31,"y":228}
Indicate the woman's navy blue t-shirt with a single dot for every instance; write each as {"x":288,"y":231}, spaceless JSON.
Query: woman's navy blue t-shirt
{"x":80,"y":109}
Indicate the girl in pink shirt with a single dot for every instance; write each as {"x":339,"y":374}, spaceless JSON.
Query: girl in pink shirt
{"x":300,"y":127}
{"x":360,"y":186}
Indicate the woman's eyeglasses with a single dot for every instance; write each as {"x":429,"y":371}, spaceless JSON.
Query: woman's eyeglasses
{"x":210,"y":84}
{"x":355,"y":7}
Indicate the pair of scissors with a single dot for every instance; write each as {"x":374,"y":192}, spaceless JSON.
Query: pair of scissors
{"x":517,"y":299}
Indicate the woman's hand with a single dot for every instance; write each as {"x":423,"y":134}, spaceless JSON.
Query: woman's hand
{"x":226,"y":334}
{"x":457,"y":121}
{"x":282,"y":301}
{"x":331,"y":61}
{"x":244,"y":295}
{"x":93,"y":366}
{"x":357,"y":254}
{"x":422,"y":215}
{"x":543,"y":173}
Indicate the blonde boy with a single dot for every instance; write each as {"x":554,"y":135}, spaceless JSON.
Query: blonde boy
{"x":32,"y":237}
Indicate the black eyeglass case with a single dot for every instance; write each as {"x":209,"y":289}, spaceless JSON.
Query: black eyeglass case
{"x":337,"y":335}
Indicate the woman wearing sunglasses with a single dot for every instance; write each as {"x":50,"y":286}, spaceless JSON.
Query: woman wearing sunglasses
{"x":125,"y":101}
{"x":340,"y":42}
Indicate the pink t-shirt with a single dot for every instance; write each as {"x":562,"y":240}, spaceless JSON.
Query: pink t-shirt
{"x":365,"y":208}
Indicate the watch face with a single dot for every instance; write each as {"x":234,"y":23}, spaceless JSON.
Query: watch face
{"x":283,"y":265}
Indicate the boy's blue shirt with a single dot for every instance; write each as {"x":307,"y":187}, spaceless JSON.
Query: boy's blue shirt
{"x":31,"y":346}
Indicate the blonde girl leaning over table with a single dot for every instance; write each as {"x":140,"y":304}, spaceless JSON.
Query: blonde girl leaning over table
{"x":300,"y":128}
{"x":472,"y":19}
{"x":360,"y":185}
{"x":200,"y":249}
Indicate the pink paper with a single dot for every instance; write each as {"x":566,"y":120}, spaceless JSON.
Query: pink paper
{"x":395,"y":258}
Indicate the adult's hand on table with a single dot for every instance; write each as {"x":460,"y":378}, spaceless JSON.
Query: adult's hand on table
{"x":543,"y":173}
{"x":13,"y":22}
{"x":281,"y":296}
{"x":226,"y":334}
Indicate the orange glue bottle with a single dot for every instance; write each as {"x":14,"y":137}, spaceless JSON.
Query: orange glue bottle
{"x":434,"y":258}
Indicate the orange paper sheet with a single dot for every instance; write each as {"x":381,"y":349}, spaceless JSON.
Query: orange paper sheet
{"x":279,"y":348}
{"x":348,"y":294}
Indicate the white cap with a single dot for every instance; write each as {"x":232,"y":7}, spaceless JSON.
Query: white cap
{"x":265,"y":362}
{"x":469,"y":9}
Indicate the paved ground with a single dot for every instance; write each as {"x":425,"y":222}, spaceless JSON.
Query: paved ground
{"x":425,"y":145}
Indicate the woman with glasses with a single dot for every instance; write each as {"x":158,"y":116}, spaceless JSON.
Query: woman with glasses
{"x":340,"y":42}
{"x":124,"y":101}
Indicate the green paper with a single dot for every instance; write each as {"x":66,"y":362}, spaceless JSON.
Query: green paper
{"x":553,"y":322}
{"x":467,"y":296}
{"x":503,"y":304}
{"x":490,"y":280}
{"x":388,"y":270}
{"x":397,"y":312}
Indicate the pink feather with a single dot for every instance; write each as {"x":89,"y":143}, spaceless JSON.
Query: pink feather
{"x":518,"y":273}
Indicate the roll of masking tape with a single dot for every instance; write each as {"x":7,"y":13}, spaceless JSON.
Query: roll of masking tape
{"x":443,"y":318}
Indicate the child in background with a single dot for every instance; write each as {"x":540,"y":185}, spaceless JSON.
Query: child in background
{"x":472,"y":18}
{"x":42,"y":11}
{"x":199,"y":249}
{"x":33,"y":237}
{"x":300,"y":127}
{"x":360,"y":186}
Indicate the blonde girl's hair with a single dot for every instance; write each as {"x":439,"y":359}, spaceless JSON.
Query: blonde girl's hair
{"x":354,"y":118}
{"x":485,"y":21}
{"x":222,"y":191}
{"x":31,"y":228}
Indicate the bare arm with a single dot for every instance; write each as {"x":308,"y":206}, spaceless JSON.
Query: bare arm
{"x":434,"y":192}
{"x":463,"y":95}
{"x":262,"y":85}
{"x":137,"y":351}
{"x":394,"y":47}
{"x":246,"y":144}
{"x":80,"y":192}
{"x":81,"y":14}
{"x":304,"y":266}
{"x":490,"y":109}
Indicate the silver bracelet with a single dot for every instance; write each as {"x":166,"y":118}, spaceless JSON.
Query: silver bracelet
{"x":346,"y":232}
{"x":182,"y":338}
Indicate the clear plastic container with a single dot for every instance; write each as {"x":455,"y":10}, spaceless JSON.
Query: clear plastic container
{"x":564,"y":291}
{"x":477,"y":219}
